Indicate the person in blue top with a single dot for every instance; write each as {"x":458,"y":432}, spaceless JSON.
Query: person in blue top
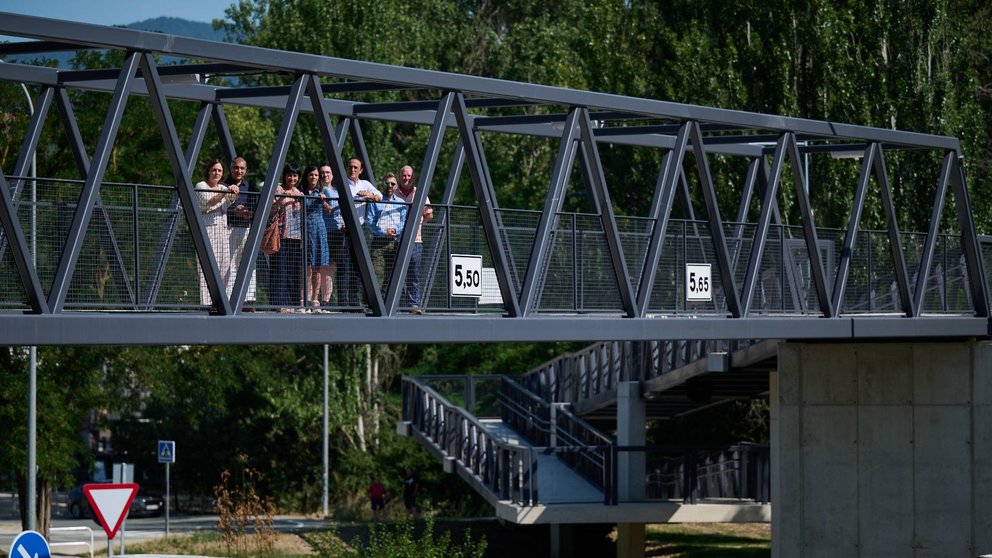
{"x":333,"y":222}
{"x":316,"y":235}
{"x":386,"y":219}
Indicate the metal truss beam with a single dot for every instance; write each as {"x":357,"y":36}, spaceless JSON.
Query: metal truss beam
{"x":78,"y":328}
{"x":96,"y":36}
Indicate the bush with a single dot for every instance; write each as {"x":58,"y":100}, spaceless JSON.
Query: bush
{"x":398,"y":541}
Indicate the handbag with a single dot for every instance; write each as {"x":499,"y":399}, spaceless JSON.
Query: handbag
{"x":271,"y":236}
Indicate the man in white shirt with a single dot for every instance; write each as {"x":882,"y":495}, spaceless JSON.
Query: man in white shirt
{"x":406,"y":191}
{"x":348,"y":278}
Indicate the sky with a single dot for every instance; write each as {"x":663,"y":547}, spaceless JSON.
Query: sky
{"x":118,"y":12}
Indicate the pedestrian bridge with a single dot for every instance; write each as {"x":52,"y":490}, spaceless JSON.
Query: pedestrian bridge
{"x":85,"y":260}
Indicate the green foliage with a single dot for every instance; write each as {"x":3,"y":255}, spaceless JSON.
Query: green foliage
{"x":399,"y":541}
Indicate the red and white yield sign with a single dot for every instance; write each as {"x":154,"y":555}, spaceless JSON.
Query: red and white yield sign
{"x":110,"y":503}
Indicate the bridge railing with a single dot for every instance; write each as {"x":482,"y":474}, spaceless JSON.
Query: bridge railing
{"x":507,"y":470}
{"x":138,"y":255}
{"x":597,"y":369}
{"x":693,"y":473}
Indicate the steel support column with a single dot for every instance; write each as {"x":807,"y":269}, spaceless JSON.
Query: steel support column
{"x":809,"y":228}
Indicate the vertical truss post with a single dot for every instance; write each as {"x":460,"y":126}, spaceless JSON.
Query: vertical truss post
{"x":426,"y":176}
{"x":809,"y":229}
{"x":267,"y":192}
{"x":661,"y":212}
{"x":933,"y":231}
{"x":29,"y":146}
{"x":969,"y":239}
{"x":20,"y":251}
{"x":345,"y":199}
{"x":847,"y":251}
{"x":715,"y":222}
{"x":597,"y":179}
{"x":91,"y":187}
{"x":895,"y":244}
{"x":487,"y":204}
{"x":184,"y":186}
{"x":224,"y":134}
{"x":447,"y":198}
{"x":552,"y":206}
{"x":768,"y":202}
{"x":358,"y":140}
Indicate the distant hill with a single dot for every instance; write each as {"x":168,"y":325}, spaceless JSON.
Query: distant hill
{"x":177,"y":26}
{"x":168,"y":25}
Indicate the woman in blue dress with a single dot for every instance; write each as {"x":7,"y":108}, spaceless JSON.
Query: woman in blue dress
{"x":317,"y":254}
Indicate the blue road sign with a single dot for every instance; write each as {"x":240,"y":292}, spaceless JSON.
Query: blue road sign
{"x":166,"y":451}
{"x":30,"y":544}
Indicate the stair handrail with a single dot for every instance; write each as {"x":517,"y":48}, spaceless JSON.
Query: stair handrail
{"x":505,"y":469}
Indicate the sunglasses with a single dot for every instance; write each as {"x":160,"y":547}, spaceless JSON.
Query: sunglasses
{"x":390,"y":184}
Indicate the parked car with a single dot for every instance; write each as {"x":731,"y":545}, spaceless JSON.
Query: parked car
{"x":145,"y":504}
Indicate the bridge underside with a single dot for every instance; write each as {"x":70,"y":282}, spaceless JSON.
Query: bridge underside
{"x":87,"y":261}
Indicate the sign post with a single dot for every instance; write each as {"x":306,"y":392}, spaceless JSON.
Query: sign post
{"x":110,"y":504}
{"x":167,"y":455}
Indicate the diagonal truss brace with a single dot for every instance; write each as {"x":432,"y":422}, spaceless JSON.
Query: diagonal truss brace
{"x":184,"y":186}
{"x":400,"y":268}
{"x":20,"y":251}
{"x":91,"y":187}
{"x":487,"y":204}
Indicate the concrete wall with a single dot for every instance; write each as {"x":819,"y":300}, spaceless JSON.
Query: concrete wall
{"x":882,"y":449}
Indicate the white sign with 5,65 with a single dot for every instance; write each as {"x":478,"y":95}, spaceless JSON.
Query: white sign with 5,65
{"x":698,"y":286}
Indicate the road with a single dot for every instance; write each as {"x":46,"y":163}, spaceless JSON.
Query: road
{"x":135,"y":530}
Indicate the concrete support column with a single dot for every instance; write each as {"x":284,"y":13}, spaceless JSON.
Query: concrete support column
{"x":562,"y":540}
{"x":882,"y":449}
{"x":631,"y":466}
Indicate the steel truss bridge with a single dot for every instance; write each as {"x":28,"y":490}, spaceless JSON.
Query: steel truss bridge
{"x":551,"y":274}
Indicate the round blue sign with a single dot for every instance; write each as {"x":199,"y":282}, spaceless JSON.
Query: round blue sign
{"x":30,"y":544}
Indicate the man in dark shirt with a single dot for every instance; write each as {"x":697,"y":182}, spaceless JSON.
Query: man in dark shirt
{"x":410,"y":487}
{"x":239,"y":216}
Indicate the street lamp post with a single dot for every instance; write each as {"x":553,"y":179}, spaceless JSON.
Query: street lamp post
{"x":32,"y":503}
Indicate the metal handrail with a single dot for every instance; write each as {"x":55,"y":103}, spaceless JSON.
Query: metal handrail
{"x":73,"y":543}
{"x":505,"y":469}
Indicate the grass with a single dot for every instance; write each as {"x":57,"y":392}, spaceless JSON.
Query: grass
{"x":699,"y":540}
{"x":709,"y":540}
{"x":287,"y":545}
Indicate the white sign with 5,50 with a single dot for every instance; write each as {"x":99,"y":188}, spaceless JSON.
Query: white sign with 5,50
{"x":466,"y":275}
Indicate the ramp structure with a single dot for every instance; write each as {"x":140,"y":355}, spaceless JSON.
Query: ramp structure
{"x":546,"y":275}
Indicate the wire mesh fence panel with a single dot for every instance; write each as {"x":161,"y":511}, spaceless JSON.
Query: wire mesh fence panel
{"x":558,"y":283}
{"x":699,"y":249}
{"x":857,"y":289}
{"x":596,"y":280}
{"x":635,"y":237}
{"x":457,"y":230}
{"x":518,"y":229}
{"x":668,"y":291}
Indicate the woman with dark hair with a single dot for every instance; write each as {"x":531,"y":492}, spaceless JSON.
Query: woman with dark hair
{"x":289,"y":264}
{"x":316,"y":234}
{"x":213,"y":199}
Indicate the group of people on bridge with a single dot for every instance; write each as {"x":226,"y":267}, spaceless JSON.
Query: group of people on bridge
{"x":311,"y":249}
